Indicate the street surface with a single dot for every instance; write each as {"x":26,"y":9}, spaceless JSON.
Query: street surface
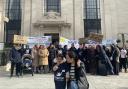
{"x":45,"y":81}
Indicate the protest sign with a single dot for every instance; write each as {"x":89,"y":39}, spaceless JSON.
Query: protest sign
{"x":18,"y":39}
{"x":96,"y":37}
{"x":64,"y":41}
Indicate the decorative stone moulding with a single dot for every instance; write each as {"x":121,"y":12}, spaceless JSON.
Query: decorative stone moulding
{"x":52,"y":15}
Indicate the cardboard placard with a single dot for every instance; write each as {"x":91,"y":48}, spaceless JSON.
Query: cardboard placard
{"x":18,"y":39}
{"x":96,"y":37}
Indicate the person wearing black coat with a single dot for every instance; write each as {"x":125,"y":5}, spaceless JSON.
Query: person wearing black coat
{"x":103,"y":58}
{"x":27,"y":50}
{"x":86,"y":59}
{"x":80,"y":53}
{"x":73,"y":49}
{"x":65,"y":49}
{"x":51,"y":57}
{"x":93,"y":63}
{"x":16,"y":60}
{"x":115,"y":58}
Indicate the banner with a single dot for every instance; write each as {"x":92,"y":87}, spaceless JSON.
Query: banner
{"x":44,"y":40}
{"x":64,"y":41}
{"x":18,"y":39}
{"x":109,"y":42}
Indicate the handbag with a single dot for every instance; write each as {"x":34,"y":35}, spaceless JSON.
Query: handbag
{"x":82,"y":81}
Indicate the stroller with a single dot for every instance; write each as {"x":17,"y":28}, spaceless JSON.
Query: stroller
{"x":27,"y":66}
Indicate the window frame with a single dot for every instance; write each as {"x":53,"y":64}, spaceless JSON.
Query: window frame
{"x":48,"y":6}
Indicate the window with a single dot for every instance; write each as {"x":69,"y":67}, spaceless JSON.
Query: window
{"x":92,"y":19}
{"x":53,"y":5}
{"x":13,"y":10}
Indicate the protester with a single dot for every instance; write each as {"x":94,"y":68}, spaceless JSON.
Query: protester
{"x":35,"y":59}
{"x":75,"y":72}
{"x":65,"y":49}
{"x":86,"y":58}
{"x":73,"y":49}
{"x":105,"y":67}
{"x":27,"y":50}
{"x":51,"y":57}
{"x":60,"y":69}
{"x":93,"y":63}
{"x":59,"y":50}
{"x":43,"y":59}
{"x":16,"y":60}
{"x":123,"y":59}
{"x":80,"y":53}
{"x":115,"y":58}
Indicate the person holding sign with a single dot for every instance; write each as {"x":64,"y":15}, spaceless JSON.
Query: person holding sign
{"x":16,"y":60}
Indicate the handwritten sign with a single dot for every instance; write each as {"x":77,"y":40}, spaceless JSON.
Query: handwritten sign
{"x":18,"y":39}
{"x":96,"y":37}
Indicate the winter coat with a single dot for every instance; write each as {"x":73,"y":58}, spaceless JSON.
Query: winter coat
{"x":80,"y":53}
{"x":15,"y":55}
{"x":116,"y":55}
{"x":35,"y":57}
{"x":52,"y":53}
{"x":43,"y":56}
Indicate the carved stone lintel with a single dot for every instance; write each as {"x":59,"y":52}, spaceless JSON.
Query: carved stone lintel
{"x":52,"y":15}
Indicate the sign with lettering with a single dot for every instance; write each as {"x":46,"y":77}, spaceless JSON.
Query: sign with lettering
{"x":96,"y":37}
{"x":18,"y":39}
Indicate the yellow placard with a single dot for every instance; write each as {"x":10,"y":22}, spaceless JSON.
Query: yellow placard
{"x":62,"y":39}
{"x":18,"y":39}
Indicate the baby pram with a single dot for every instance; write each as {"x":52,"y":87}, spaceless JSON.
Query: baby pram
{"x":27,"y":64}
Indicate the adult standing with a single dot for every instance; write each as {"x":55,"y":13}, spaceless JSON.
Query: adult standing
{"x":65,"y":49}
{"x":93,"y":63}
{"x":115,"y":58}
{"x":27,"y":50}
{"x":123,"y":59}
{"x":73,"y":49}
{"x":43,"y":59}
{"x":35,"y":58}
{"x":105,"y":67}
{"x":80,"y":53}
{"x":16,"y":60}
{"x":51,"y":57}
{"x":76,"y":73}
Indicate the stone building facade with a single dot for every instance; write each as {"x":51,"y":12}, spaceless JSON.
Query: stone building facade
{"x":69,"y":18}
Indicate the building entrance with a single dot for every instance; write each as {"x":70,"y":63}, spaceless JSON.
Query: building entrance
{"x":55,"y":37}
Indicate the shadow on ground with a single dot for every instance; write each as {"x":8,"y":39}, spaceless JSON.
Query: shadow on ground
{"x":123,"y":88}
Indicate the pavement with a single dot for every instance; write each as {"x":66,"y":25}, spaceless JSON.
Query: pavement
{"x":45,"y":81}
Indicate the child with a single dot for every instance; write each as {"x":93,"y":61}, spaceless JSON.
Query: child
{"x":60,"y":69}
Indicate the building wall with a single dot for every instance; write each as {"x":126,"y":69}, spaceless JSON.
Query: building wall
{"x":1,"y":21}
{"x":114,"y":17}
{"x":35,"y":11}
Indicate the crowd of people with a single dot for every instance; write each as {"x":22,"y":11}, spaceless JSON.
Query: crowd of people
{"x":68,"y":64}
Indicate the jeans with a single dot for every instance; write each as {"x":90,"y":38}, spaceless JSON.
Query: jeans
{"x":73,"y":85}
